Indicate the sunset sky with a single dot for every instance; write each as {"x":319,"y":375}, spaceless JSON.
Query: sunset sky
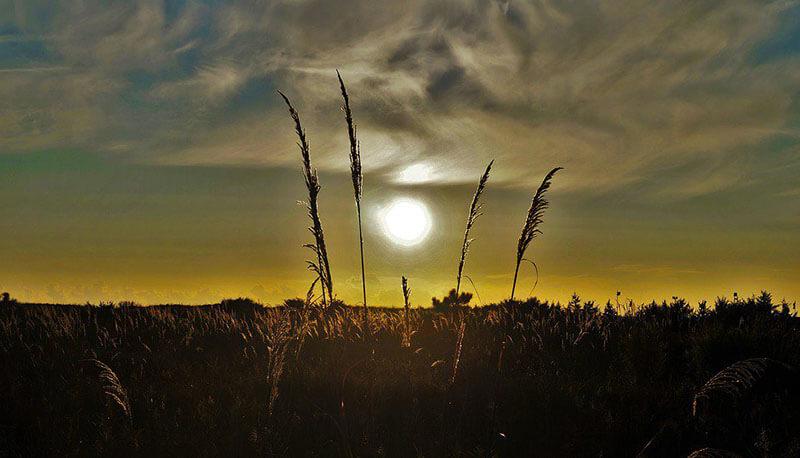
{"x":145,"y":154}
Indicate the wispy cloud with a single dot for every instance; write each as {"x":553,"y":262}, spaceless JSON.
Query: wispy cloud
{"x":617,"y":92}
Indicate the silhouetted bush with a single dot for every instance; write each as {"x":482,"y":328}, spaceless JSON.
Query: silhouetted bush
{"x":295,"y":303}
{"x":241,"y":306}
{"x":451,"y":300}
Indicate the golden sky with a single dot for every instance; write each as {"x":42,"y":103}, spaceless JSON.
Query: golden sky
{"x":144,"y":153}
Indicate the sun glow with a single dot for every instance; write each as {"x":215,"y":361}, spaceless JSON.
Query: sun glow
{"x":416,"y":173}
{"x":406,"y":221}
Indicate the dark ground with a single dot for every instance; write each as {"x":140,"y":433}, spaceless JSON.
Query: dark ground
{"x":519,"y":379}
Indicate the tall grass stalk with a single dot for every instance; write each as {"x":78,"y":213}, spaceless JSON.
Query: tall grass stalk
{"x":321,"y":267}
{"x":358,"y":182}
{"x":531,"y":227}
{"x":407,"y":307}
{"x":474,"y":213}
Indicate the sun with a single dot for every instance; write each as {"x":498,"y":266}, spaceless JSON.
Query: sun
{"x":406,"y":221}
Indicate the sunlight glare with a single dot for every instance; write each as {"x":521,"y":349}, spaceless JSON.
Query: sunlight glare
{"x":406,"y":221}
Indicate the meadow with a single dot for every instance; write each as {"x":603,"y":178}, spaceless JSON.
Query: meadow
{"x":521,"y":378}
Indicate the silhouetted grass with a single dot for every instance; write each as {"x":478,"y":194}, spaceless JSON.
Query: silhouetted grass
{"x":513,"y":379}
{"x":531,"y":227}
{"x":358,"y":183}
{"x":321,"y":267}
{"x":472,"y":216}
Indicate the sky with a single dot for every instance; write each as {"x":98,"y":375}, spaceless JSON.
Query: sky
{"x":145,"y":154}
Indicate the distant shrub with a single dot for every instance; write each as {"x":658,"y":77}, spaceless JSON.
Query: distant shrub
{"x":609,"y":311}
{"x":128,"y":304}
{"x":241,"y":305}
{"x":702,"y":308}
{"x":451,"y":300}
{"x":294,"y":303}
{"x":745,"y":309}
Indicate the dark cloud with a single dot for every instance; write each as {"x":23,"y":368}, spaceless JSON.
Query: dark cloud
{"x":443,"y":82}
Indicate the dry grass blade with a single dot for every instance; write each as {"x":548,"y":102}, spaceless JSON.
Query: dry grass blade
{"x":536,"y":271}
{"x":531,"y":227}
{"x":474,"y":213}
{"x":113,"y":389}
{"x":474,"y":288}
{"x":457,"y":353}
{"x":708,"y":452}
{"x":358,"y":182}
{"x":310,"y":293}
{"x":321,"y":267}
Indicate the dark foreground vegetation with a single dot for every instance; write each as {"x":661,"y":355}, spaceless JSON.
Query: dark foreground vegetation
{"x":516,"y":379}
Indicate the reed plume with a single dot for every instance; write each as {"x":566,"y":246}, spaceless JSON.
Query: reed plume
{"x":737,"y":382}
{"x":321,"y":267}
{"x":113,"y":389}
{"x":355,"y":172}
{"x":531,"y":228}
{"x":474,"y":213}
{"x":278,"y":343}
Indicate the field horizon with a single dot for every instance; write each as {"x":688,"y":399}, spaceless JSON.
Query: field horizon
{"x":620,"y":303}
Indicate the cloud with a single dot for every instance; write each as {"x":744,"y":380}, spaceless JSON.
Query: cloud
{"x":617,"y":92}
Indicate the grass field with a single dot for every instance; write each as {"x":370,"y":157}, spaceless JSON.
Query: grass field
{"x":514,"y":379}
